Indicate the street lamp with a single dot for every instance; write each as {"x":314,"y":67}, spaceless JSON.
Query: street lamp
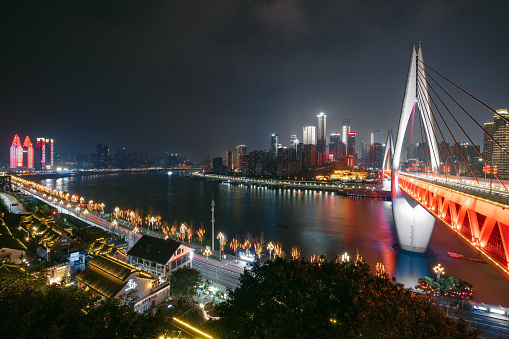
{"x":183,"y":229}
{"x":135,"y":230}
{"x":220,"y":236}
{"x":152,"y":221}
{"x":206,"y":253}
{"x":438,"y":270}
{"x":270,"y":247}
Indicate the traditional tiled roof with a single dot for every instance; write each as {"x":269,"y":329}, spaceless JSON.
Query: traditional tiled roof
{"x":154,"y":249}
{"x":107,"y":275}
{"x":11,"y":269}
{"x":11,"y":243}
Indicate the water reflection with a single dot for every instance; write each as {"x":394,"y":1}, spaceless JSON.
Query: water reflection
{"x":411,"y":267}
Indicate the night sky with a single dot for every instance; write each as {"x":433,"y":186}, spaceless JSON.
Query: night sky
{"x":200,"y":77}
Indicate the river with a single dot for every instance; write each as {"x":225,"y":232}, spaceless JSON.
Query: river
{"x":318,"y":223}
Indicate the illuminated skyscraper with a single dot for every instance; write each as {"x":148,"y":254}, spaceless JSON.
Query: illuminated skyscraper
{"x":16,"y":153}
{"x":28,"y":149}
{"x":309,"y":135}
{"x":229,"y":160}
{"x":377,"y":137}
{"x":240,"y":156}
{"x":44,"y":151}
{"x":274,"y":145}
{"x":335,"y":144}
{"x":322,"y":133}
{"x":350,"y":148}
{"x":499,"y":130}
{"x":294,"y":141}
{"x":345,"y":129}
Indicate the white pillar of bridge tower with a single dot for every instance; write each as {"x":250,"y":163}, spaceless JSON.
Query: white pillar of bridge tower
{"x":387,"y":163}
{"x":414,"y":224}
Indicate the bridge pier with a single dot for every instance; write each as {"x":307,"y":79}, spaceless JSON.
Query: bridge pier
{"x":414,"y":224}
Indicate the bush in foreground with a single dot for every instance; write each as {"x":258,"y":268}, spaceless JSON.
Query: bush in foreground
{"x":299,"y":299}
{"x":31,"y":309}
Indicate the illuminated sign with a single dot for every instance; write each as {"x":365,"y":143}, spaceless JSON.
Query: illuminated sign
{"x":51,"y":153}
{"x":352,"y":133}
{"x":131,"y":285}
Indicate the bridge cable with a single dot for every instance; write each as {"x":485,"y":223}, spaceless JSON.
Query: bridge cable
{"x":450,"y":133}
{"x":423,"y":148}
{"x":473,"y":145}
{"x":429,"y":114}
{"x":491,"y":137}
{"x":457,"y":123}
{"x":443,"y":138}
{"x":428,"y":138}
{"x":446,"y":144}
{"x":471,"y":96}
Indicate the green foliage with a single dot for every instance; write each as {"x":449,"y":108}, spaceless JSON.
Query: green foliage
{"x":31,"y":309}
{"x":183,"y":280}
{"x":298,"y":299}
{"x":450,"y":287}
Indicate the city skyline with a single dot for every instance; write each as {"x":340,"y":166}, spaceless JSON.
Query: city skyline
{"x":149,"y":76}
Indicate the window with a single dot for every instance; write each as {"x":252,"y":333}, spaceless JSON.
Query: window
{"x":173,"y":265}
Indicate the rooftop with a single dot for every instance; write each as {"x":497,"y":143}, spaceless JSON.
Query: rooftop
{"x":154,"y":249}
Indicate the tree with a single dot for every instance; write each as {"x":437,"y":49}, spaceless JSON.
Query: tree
{"x":299,"y":299}
{"x":451,"y":287}
{"x":183,"y":281}
{"x":31,"y":309}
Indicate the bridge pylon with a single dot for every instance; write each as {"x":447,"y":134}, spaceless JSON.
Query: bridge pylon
{"x":414,"y":224}
{"x":387,"y":163}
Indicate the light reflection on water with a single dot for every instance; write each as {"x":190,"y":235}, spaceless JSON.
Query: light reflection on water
{"x":318,"y":223}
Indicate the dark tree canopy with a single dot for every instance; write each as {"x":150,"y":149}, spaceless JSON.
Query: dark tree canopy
{"x":184,"y":280}
{"x":31,"y":309}
{"x":298,"y":299}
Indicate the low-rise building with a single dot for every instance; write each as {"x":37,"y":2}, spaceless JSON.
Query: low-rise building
{"x":160,"y":256}
{"x":12,"y":250}
{"x":111,"y":278}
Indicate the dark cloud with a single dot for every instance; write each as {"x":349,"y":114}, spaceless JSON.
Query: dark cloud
{"x":200,"y":77}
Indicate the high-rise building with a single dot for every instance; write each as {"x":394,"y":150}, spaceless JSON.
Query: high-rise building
{"x":16,"y":153}
{"x":309,"y":156}
{"x":345,"y":129}
{"x":363,"y":152}
{"x":500,"y":132}
{"x":489,"y":127}
{"x":321,"y":137}
{"x":28,"y":150}
{"x":274,"y":145}
{"x":294,"y":141}
{"x":350,"y":148}
{"x":377,"y":137}
{"x":376,"y":154}
{"x":309,"y":135}
{"x":229,"y":160}
{"x":240,"y":156}
{"x":44,"y":153}
{"x":334,"y":145}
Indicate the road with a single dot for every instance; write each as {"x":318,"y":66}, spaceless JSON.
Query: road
{"x":218,"y":273}
{"x":12,"y":204}
{"x":493,"y":325}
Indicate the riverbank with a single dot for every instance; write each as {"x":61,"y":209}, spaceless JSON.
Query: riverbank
{"x":355,"y":189}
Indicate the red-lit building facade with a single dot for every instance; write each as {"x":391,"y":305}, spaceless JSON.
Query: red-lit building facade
{"x":25,"y":156}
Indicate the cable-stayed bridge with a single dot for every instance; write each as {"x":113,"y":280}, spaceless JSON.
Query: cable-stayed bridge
{"x":462,"y":187}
